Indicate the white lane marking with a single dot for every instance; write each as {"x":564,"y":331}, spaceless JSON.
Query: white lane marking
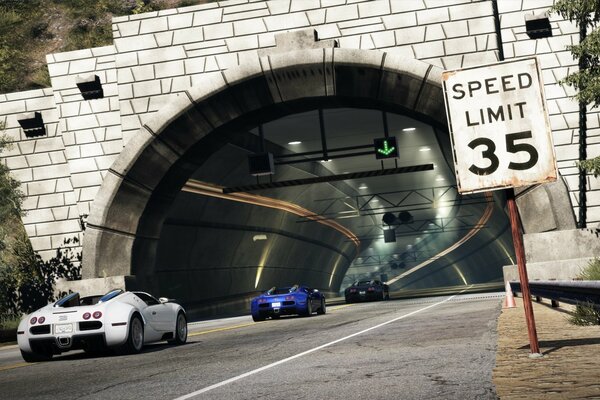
{"x":255,"y":371}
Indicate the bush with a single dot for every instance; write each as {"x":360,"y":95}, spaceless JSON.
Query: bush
{"x":588,"y":313}
{"x":28,"y":283}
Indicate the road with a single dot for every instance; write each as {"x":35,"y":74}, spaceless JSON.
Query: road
{"x":433,"y":348}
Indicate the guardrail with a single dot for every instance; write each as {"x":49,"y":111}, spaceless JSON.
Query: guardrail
{"x":571,"y":292}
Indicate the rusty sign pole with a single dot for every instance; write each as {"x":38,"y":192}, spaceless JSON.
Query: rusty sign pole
{"x":520,"y":253}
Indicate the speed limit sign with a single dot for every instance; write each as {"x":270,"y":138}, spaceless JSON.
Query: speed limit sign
{"x":499,"y":126}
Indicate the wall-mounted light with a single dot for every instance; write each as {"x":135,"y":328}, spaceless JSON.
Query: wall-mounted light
{"x":295,"y":142}
{"x":32,"y":124}
{"x":408,"y":129}
{"x":538,"y":25}
{"x":90,"y":86}
{"x":259,"y":237}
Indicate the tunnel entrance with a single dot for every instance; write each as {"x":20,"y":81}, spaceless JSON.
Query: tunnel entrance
{"x":163,"y":215}
{"x":327,"y":235}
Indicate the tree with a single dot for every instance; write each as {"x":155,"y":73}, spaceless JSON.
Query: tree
{"x":586,"y":15}
{"x":26,"y":281}
{"x":11,"y":196}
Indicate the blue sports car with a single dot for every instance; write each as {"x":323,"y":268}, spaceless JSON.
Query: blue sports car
{"x":287,"y":301}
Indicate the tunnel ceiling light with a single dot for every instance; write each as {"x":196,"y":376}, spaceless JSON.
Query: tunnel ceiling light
{"x":440,"y":178}
{"x":259,"y":237}
{"x":363,"y":186}
{"x":408,"y":129}
{"x":425,"y":148}
{"x":295,"y":142}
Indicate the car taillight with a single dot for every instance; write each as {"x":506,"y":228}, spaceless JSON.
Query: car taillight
{"x":289,"y":297}
{"x":352,"y":290}
{"x":41,"y":320}
{"x":33,"y":320}
{"x":87,"y":316}
{"x":262,"y":300}
{"x":97,"y":314}
{"x":371,"y":289}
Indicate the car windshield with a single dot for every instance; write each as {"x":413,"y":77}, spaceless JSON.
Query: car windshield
{"x":110,"y":295}
{"x":361,"y":283}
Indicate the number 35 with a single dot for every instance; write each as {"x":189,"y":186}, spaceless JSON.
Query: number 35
{"x":511,"y":147}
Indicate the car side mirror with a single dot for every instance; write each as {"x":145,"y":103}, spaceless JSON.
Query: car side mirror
{"x":163,"y":300}
{"x":316,"y":290}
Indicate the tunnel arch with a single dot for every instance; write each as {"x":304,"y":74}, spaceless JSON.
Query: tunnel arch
{"x":127,"y":215}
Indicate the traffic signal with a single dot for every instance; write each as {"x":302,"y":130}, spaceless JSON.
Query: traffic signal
{"x":385,"y":148}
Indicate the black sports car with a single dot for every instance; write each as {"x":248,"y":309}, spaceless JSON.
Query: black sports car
{"x":367,"y":290}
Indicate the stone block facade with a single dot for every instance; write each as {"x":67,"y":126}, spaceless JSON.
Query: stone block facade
{"x":156,"y":56}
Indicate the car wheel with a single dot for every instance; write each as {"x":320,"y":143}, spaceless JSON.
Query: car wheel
{"x":387,"y":296}
{"x":323,"y":308}
{"x":35,"y":357}
{"x":308,"y":312}
{"x":348,"y":300}
{"x":256,"y":318}
{"x":181,"y":329}
{"x":135,"y":338}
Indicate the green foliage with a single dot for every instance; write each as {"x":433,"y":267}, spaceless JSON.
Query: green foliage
{"x":579,"y":11}
{"x":584,"y":13}
{"x":11,"y":196}
{"x":591,"y":166}
{"x":9,"y":321}
{"x":27,"y":283}
{"x":588,"y":313}
{"x":592,"y":271}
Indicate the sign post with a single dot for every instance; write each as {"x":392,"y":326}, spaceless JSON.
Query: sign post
{"x":501,"y":139}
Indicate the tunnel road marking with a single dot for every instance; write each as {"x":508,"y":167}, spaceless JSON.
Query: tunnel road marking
{"x":13,"y":366}
{"x":225,"y":328}
{"x":228,"y":328}
{"x":255,"y":371}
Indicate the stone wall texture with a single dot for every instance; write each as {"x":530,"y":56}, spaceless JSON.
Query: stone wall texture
{"x":157,"y":55}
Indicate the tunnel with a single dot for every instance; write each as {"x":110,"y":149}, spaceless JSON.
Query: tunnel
{"x":182,"y":214}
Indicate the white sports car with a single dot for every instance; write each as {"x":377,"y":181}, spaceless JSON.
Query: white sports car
{"x":121,"y":320}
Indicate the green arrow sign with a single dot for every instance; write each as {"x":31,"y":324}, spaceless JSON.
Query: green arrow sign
{"x":385,"y":148}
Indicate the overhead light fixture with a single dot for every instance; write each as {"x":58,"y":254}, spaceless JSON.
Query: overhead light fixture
{"x":295,"y":142}
{"x":408,"y":129}
{"x":440,"y":178}
{"x":261,"y":164}
{"x":259,"y":237}
{"x":363,"y":186}
{"x":389,"y":236}
{"x":375,"y":200}
{"x":405,"y":217}
{"x":325,"y":160}
{"x":425,"y":148}
{"x":388,"y":218}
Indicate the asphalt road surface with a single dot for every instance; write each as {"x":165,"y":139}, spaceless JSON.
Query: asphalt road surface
{"x":434,"y":348}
